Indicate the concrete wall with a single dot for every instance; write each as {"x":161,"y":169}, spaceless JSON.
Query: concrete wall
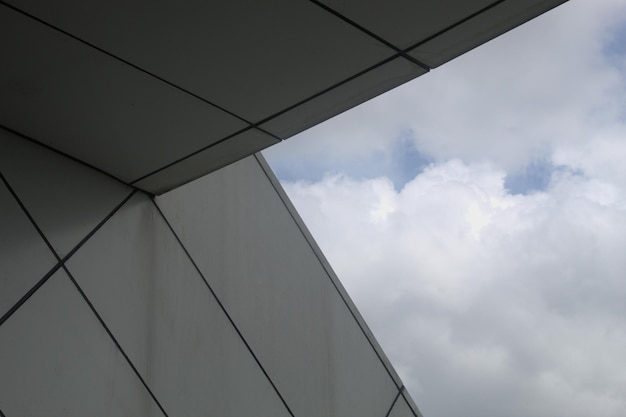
{"x":209,"y":300}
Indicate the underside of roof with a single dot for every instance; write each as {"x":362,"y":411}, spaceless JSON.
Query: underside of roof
{"x":158,"y":93}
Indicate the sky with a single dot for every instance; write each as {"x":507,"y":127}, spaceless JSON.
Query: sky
{"x":477,"y":217}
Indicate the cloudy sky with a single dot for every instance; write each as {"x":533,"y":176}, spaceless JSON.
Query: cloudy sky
{"x":477,"y":216}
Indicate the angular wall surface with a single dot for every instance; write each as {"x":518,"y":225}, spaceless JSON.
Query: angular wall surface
{"x":212,"y":299}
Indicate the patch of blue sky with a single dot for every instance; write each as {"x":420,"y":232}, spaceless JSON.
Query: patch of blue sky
{"x":401,"y":163}
{"x":535,"y":177}
{"x":302,"y":169}
{"x":614,"y":49}
{"x":316,"y":167}
{"x":406,"y":161}
{"x":615,"y":46}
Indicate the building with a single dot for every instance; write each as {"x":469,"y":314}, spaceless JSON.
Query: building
{"x":150,"y":262}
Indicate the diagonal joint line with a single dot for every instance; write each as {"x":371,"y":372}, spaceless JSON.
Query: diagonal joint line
{"x":454,"y":25}
{"x":45,"y":278}
{"x":393,"y":403}
{"x":113,"y":338}
{"x":332,"y":87}
{"x":415,"y":412}
{"x":30,"y":292}
{"x":122,"y":60}
{"x":371,"y":34}
{"x":60,"y":262}
{"x":183,"y":158}
{"x":223,"y":308}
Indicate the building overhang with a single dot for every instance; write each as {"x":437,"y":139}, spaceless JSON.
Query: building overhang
{"x":158,"y":93}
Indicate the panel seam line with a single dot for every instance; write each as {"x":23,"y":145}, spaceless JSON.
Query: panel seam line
{"x":122,"y":60}
{"x":393,"y":403}
{"x":222,"y":307}
{"x":371,"y":34}
{"x":48,"y":274}
{"x":61,"y":153}
{"x":61,"y":264}
{"x":454,"y":25}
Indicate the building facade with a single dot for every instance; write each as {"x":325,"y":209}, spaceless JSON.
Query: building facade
{"x":150,"y":263}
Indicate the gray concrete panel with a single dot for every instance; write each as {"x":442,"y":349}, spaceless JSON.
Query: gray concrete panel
{"x":343,"y":97}
{"x":74,"y":98}
{"x":480,"y":29}
{"x":207,"y":161}
{"x":65,"y":198}
{"x":252,"y":57}
{"x":24,"y":256}
{"x":57,"y":360}
{"x":156,"y":304}
{"x":250,"y":249}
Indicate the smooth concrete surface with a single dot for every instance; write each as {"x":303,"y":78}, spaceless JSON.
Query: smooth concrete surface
{"x":24,"y":257}
{"x":480,"y":29}
{"x":250,"y":249}
{"x":165,"y":318}
{"x":56,"y":360}
{"x":66,"y":198}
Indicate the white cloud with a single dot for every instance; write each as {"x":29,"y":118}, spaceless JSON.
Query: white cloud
{"x":488,"y":304}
